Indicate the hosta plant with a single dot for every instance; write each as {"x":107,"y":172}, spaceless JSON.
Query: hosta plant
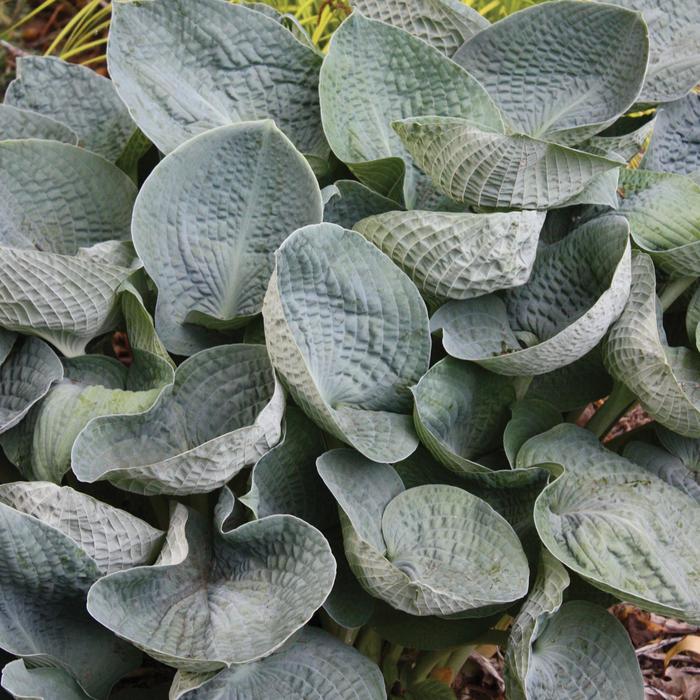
{"x":297,"y":351}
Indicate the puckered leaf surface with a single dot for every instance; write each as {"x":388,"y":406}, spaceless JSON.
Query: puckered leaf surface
{"x":16,"y":123}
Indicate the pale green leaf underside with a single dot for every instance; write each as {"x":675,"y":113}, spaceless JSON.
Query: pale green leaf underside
{"x":208,"y":220}
{"x":347,"y":331}
{"x":39,"y":683}
{"x":458,"y":255}
{"x":313,"y":664}
{"x":183,"y":69}
{"x":625,"y":530}
{"x":562,"y":88}
{"x":16,"y":123}
{"x":494,"y":169}
{"x":578,"y":287}
{"x":222,"y":414}
{"x":636,"y":353}
{"x":76,"y":96}
{"x":207,"y":604}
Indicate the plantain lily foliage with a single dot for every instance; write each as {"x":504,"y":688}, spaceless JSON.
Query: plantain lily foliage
{"x":296,"y":350}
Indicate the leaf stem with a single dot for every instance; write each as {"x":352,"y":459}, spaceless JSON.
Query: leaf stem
{"x":617,"y":404}
{"x":427,"y":661}
{"x":459,"y":657}
{"x":390,"y":666}
{"x":347,"y":635}
{"x":369,"y":643}
{"x":673,"y":289}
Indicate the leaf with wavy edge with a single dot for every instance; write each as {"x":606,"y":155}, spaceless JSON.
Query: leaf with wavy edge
{"x":460,"y":412}
{"x":54,"y":542}
{"x":422,"y":550}
{"x":530,"y":417}
{"x":625,"y":145}
{"x":312,"y":663}
{"x":77,"y":97}
{"x":623,"y":529}
{"x":492,"y":168}
{"x":345,"y":202}
{"x":92,"y":385}
{"x":540,"y":91}
{"x":458,"y":255}
{"x":183,"y":69}
{"x":210,"y":603}
{"x":222,"y":413}
{"x":636,"y":353}
{"x":211,"y":253}
{"x":39,"y":683}
{"x":16,"y":123}
{"x":444,"y":24}
{"x":347,"y":332}
{"x":375,"y":73}
{"x":25,"y":377}
{"x":578,"y":287}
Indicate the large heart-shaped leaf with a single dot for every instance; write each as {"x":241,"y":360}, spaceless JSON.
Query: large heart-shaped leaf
{"x":39,"y":683}
{"x":76,"y":96}
{"x":212,"y":64}
{"x":213,"y":601}
{"x":540,"y":91}
{"x":313,"y":663}
{"x":16,"y":123}
{"x":618,"y":525}
{"x":458,"y":255}
{"x":211,"y":253}
{"x":371,"y":58}
{"x":222,"y":413}
{"x":54,"y":543}
{"x":665,"y":379}
{"x":578,"y":287}
{"x":492,"y":168}
{"x":347,"y":331}
{"x":428,"y":550}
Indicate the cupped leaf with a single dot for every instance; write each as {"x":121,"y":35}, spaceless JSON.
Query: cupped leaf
{"x":313,"y":664}
{"x":345,"y":202}
{"x":618,"y":525}
{"x":675,"y":143}
{"x":347,"y":332}
{"x":76,"y":96}
{"x":213,"y":64}
{"x":530,"y":417}
{"x":375,"y":73}
{"x":444,"y":24}
{"x":540,"y":90}
{"x":492,"y":168}
{"x":211,"y":601}
{"x":16,"y":123}
{"x":39,"y":683}
{"x":430,"y":550}
{"x":578,"y":287}
{"x":25,"y":377}
{"x":211,"y":253}
{"x":460,"y":412}
{"x":222,"y":413}
{"x":92,"y":385}
{"x":458,"y":255}
{"x":665,"y":379}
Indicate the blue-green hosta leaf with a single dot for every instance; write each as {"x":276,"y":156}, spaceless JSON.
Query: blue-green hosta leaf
{"x":428,"y":550}
{"x":54,"y":542}
{"x":92,"y":385}
{"x":76,"y":96}
{"x":285,"y":479}
{"x":618,"y":525}
{"x":345,"y":202}
{"x":7,"y":340}
{"x":312,"y":664}
{"x":460,"y":412}
{"x":347,"y":331}
{"x":211,"y":601}
{"x":686,"y":449}
{"x":222,"y":413}
{"x":530,"y":417}
{"x":665,"y":379}
{"x":375,"y":73}
{"x":183,"y":69}
{"x":492,"y":168}
{"x":578,"y":287}
{"x":458,"y":255}
{"x":39,"y":683}
{"x":16,"y":123}
{"x":444,"y":24}
{"x":541,"y":91}
{"x":675,"y":144}
{"x":26,"y":376}
{"x":664,"y":214}
{"x":625,"y":145}
{"x":577,"y":650}
{"x":208,"y":220}
{"x":674,"y":47}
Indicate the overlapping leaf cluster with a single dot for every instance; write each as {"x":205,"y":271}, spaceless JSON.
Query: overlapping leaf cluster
{"x":366,"y":297}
